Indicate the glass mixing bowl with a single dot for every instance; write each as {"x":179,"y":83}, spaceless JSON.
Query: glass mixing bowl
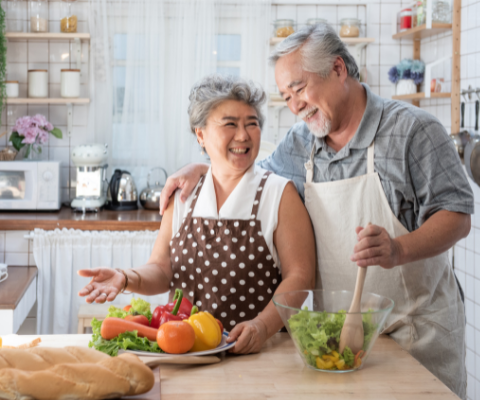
{"x":314,"y":320}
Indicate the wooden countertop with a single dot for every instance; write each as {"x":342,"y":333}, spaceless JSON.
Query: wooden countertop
{"x":13,"y":289}
{"x":104,"y":220}
{"x":278,"y":372}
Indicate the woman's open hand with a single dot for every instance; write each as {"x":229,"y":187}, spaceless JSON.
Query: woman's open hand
{"x":250,"y":337}
{"x":105,"y":285}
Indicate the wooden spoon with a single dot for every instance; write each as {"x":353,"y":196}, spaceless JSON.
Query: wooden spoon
{"x":352,"y":334}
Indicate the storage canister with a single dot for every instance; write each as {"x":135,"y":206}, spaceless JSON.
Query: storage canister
{"x":70,"y":83}
{"x":16,"y":15}
{"x":405,"y":19}
{"x":38,"y":16}
{"x":38,"y":83}
{"x":68,"y":23}
{"x":11,"y":87}
{"x":350,"y":27}
{"x":283,"y":27}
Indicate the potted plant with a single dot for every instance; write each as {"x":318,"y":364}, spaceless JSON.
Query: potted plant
{"x":407,"y":74}
{"x":29,"y":133}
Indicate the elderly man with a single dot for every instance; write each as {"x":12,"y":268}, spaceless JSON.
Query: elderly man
{"x":384,"y":188}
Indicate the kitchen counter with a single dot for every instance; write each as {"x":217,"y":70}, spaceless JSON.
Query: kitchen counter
{"x":278,"y":372}
{"x":104,"y":220}
{"x":18,"y":294}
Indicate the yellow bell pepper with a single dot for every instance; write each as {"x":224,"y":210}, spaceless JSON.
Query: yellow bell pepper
{"x":207,"y":331}
{"x":340,"y":364}
{"x":320,"y":363}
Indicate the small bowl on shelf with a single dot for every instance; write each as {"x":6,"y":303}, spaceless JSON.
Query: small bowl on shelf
{"x":314,"y":320}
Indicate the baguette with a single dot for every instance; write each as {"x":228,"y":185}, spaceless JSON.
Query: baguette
{"x":70,"y":373}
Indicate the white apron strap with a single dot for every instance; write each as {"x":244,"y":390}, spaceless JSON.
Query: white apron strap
{"x":309,"y":165}
{"x":370,"y":152}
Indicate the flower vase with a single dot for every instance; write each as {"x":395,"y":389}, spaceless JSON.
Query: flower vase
{"x":29,"y":152}
{"x":406,"y":86}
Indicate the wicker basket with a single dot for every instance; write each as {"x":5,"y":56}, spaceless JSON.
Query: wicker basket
{"x":7,"y":154}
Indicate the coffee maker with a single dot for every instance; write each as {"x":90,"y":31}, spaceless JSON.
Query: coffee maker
{"x":91,"y":163}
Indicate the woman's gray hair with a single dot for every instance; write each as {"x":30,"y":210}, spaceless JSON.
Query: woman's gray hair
{"x":214,"y":89}
{"x":320,"y":46}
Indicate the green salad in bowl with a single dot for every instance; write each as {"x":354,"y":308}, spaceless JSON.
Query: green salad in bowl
{"x":315,"y":318}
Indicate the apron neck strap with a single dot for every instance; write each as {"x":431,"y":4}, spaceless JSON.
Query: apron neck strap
{"x":195,"y":197}
{"x":370,"y":154}
{"x":258,"y":196}
{"x":309,"y":164}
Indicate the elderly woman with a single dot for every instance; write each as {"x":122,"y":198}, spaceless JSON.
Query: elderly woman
{"x":242,"y":235}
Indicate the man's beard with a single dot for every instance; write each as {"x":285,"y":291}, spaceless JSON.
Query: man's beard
{"x":320,"y":127}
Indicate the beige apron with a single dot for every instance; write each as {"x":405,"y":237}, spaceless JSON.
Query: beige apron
{"x":428,"y":318}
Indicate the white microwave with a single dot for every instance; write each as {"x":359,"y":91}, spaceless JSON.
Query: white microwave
{"x":30,"y":185}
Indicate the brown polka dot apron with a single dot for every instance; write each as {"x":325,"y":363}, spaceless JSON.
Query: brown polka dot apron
{"x":224,"y":266}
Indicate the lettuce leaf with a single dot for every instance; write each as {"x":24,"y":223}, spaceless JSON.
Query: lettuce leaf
{"x":142,"y":307}
{"x":318,"y":333}
{"x":124,"y":341}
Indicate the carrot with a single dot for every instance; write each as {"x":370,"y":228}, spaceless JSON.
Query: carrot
{"x":112,"y":327}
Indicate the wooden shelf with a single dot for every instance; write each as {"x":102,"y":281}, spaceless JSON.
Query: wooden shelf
{"x":18,"y":100}
{"x":421,"y":31}
{"x":46,"y":36}
{"x":277,"y":104}
{"x":421,"y":96}
{"x":348,"y":41}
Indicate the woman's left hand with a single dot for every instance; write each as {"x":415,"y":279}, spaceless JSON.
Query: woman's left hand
{"x":250,"y":337}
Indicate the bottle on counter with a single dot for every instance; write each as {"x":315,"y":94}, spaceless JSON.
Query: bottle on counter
{"x":68,"y":23}
{"x":38,"y":16}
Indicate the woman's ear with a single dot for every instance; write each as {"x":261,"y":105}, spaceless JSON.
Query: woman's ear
{"x":199,"y":133}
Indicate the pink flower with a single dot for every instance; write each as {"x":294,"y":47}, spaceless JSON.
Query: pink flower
{"x":22,"y":124}
{"x":30,"y":135}
{"x":42,"y":136}
{"x":48,"y":126}
{"x":39,"y":120}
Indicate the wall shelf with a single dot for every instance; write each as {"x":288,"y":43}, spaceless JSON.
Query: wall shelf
{"x":421,"y":96}
{"x":348,"y":41}
{"x":420,"y":32}
{"x":18,"y":100}
{"x":46,"y":36}
{"x":277,"y":104}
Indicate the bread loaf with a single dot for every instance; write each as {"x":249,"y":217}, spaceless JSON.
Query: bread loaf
{"x":70,"y":373}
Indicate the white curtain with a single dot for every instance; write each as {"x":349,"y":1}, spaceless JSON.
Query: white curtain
{"x":59,"y":254}
{"x":158,"y":49}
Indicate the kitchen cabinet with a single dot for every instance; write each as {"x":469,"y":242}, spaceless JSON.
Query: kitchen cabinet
{"x":278,"y":372}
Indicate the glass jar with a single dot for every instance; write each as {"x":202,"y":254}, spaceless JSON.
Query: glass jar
{"x":419,"y":13}
{"x":38,"y":16}
{"x":283,"y":27}
{"x":316,"y":21}
{"x":350,"y":27}
{"x":405,"y":19}
{"x":441,"y":13}
{"x":16,"y":15}
{"x":38,"y":83}
{"x":68,"y":23}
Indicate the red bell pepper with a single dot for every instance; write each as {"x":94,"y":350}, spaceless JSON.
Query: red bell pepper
{"x":156,"y":316}
{"x":172,"y":316}
{"x":185,"y":305}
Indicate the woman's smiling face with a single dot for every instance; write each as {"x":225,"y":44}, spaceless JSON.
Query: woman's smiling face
{"x":231,"y":136}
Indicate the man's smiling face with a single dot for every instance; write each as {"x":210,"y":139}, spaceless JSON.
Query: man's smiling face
{"x":311,"y":97}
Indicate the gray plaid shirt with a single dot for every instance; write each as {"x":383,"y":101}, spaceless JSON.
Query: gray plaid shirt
{"x":415,"y":158}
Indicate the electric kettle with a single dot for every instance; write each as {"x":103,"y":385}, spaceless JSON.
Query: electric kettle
{"x":122,"y":193}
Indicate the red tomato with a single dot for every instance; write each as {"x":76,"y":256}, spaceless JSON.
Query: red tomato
{"x":127,"y":308}
{"x":221,"y":325}
{"x":139,"y":319}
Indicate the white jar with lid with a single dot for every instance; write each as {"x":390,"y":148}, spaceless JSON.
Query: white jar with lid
{"x":70,"y":83}
{"x":38,"y":83}
{"x":11,"y":88}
